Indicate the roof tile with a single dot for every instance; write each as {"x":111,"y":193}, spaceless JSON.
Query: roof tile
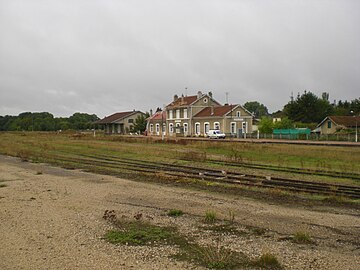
{"x":215,"y":111}
{"x":183,"y":101}
{"x":347,"y":121}
{"x":116,"y":116}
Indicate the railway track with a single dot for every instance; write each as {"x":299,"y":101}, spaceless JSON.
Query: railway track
{"x":116,"y":166}
{"x":334,"y":174}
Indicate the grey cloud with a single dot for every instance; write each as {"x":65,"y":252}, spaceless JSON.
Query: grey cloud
{"x":106,"y":56}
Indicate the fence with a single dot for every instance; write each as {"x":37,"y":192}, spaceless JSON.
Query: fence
{"x":310,"y":137}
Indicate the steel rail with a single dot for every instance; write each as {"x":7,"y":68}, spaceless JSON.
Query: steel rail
{"x":213,"y":175}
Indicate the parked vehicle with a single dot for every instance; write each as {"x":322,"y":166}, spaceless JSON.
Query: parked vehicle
{"x":215,"y":134}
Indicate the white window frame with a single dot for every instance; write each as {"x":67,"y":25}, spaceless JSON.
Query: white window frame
{"x":151,"y":128}
{"x":197,"y":126}
{"x":171,"y":128}
{"x":186,"y":130}
{"x":185,"y":113}
{"x":170,"y":114}
{"x":177,"y":128}
{"x":157,"y":129}
{"x":177,"y":114}
{"x":217,"y":124}
{"x":231,"y":125}
{"x":208,"y":125}
{"x":238,"y":114}
{"x":164,"y":128}
{"x":244,"y":130}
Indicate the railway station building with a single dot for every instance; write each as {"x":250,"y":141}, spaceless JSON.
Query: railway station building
{"x":196,"y":115}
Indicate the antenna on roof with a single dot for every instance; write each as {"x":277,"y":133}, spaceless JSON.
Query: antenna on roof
{"x":185,"y":91}
{"x":227,"y":97}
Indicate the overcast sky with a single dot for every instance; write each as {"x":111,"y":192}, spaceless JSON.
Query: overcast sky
{"x":108,"y":56}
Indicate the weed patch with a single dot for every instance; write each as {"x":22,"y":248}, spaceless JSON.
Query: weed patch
{"x":336,"y":199}
{"x":2,"y":185}
{"x":143,"y":233}
{"x":210,"y":217}
{"x":302,"y":238}
{"x":258,"y":231}
{"x":139,"y":233}
{"x":24,"y":155}
{"x":267,"y":261}
{"x":175,"y":213}
{"x":214,"y":257}
{"x":224,"y":228}
{"x":194,"y":156}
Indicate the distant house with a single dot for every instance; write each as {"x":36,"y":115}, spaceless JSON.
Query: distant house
{"x":332,"y":124}
{"x":119,"y":123}
{"x":196,"y":115}
{"x":277,"y":116}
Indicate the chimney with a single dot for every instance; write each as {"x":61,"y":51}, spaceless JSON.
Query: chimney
{"x":210,"y":94}
{"x":175,"y":97}
{"x":199,"y":94}
{"x":151,"y":112}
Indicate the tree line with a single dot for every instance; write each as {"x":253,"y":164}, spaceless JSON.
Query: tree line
{"x":306,"y":110}
{"x":44,"y":121}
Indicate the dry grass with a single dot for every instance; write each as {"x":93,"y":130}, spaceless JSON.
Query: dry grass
{"x":44,"y":146}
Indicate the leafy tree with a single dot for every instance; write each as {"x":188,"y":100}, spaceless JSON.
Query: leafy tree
{"x":258,"y":109}
{"x":308,"y":108}
{"x":81,"y":121}
{"x":285,"y":123}
{"x":5,"y":122}
{"x":140,"y":123}
{"x":266,"y":125}
{"x":346,"y":107}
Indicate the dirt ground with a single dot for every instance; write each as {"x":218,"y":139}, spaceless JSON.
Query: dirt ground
{"x":51,"y":218}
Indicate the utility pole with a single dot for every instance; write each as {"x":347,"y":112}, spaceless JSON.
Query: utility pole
{"x":356,"y":127}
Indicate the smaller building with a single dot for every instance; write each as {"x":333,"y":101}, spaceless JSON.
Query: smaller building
{"x":119,"y":123}
{"x":156,"y":124}
{"x":332,"y":124}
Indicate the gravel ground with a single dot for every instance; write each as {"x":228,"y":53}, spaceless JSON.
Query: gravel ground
{"x":51,"y":218}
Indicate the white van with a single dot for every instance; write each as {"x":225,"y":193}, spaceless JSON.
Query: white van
{"x":215,"y":134}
